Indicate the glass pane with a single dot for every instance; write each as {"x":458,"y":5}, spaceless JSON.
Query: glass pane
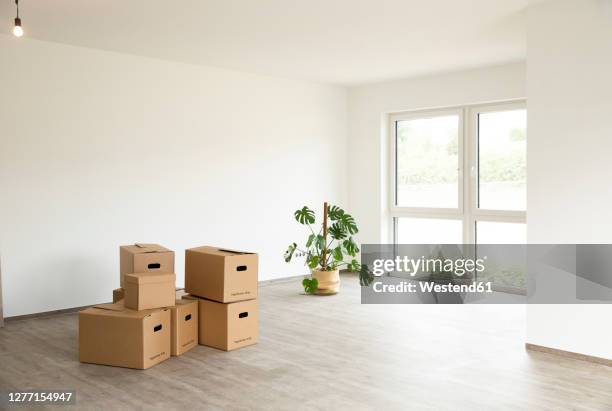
{"x":505,"y":269}
{"x":489,"y":232}
{"x":429,"y":231}
{"x":502,"y":165}
{"x":428,"y":162}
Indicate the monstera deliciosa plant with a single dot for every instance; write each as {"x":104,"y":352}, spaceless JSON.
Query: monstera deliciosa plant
{"x":327,"y":249}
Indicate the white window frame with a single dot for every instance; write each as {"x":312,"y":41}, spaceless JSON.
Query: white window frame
{"x":467,"y":209}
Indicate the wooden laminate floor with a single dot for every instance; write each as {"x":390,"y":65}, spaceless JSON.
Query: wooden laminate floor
{"x":324,"y":353}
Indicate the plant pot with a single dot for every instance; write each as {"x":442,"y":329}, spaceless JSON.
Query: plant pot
{"x":329,"y":281}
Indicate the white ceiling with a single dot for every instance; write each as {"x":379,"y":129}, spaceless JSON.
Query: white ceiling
{"x":345,"y":42}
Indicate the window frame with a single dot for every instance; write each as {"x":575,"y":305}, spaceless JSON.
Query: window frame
{"x":467,"y":209}
{"x":394,"y":118}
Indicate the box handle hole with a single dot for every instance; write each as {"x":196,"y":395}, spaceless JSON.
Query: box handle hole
{"x":241,"y":268}
{"x":153,"y":266}
{"x":188,"y":317}
{"x":243,"y":315}
{"x":157,"y":328}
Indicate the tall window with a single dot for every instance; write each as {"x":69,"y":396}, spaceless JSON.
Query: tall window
{"x":459,"y":175}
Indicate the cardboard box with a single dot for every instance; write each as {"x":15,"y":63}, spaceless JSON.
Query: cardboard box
{"x":180,"y":292}
{"x":111,"y":334}
{"x":184,"y":316}
{"x":227,"y":326}
{"x":144,"y":291}
{"x":118,"y":294}
{"x":221,"y":275}
{"x":145,"y":258}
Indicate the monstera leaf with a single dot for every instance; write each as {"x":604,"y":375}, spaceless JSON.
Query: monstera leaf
{"x":311,"y":239}
{"x":337,"y":254}
{"x":334,"y":213}
{"x":354,"y":266}
{"x":349,"y":223}
{"x":305,"y":216}
{"x":289,"y":253}
{"x":320,"y":242}
{"x":365,"y":276}
{"x":337,"y":231}
{"x":313,"y":261}
{"x":351,"y":247}
{"x":310,"y":285}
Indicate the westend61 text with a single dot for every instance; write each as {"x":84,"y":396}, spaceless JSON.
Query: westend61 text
{"x":423,"y":286}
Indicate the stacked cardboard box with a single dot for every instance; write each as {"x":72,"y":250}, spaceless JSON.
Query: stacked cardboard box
{"x":111,"y":334}
{"x":145,"y":325}
{"x":224,"y":283}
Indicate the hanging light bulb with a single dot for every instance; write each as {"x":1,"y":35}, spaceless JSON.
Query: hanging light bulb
{"x":18,"y":30}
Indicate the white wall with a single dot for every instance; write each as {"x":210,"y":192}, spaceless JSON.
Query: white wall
{"x":368,"y":140}
{"x":99,"y":149}
{"x":569,"y":66}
